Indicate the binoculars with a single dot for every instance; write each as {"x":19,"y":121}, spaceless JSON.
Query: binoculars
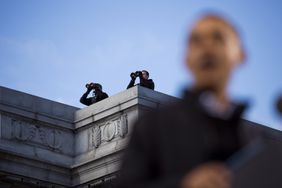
{"x":93,"y":86}
{"x":136,"y":74}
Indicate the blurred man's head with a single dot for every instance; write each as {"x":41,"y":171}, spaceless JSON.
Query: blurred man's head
{"x":214,"y":50}
{"x":145,"y":74}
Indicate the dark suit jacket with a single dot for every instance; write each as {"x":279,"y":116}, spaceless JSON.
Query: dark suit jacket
{"x":100,"y":95}
{"x":144,"y":83}
{"x":166,"y":144}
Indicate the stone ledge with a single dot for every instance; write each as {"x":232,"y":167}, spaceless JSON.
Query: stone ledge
{"x":131,"y":97}
{"x":96,"y":169}
{"x":37,"y":154}
{"x":35,"y":117}
{"x":36,"y":104}
{"x":35,"y":169}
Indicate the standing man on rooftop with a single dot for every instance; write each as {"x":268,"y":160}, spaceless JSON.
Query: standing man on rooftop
{"x":144,"y":79}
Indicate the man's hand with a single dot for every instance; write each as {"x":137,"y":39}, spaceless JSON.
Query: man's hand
{"x":210,"y":175}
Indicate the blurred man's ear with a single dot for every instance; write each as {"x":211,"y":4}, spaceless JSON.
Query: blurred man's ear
{"x":242,"y":56}
{"x":239,"y":57}
{"x":187,"y":61}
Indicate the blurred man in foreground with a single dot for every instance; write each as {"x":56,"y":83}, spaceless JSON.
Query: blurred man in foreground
{"x":186,"y":144}
{"x":144,"y":79}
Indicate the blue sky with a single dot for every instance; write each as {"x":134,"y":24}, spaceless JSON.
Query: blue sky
{"x":52,"y":48}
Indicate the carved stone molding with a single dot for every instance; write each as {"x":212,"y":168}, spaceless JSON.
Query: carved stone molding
{"x":51,"y":138}
{"x":27,"y":132}
{"x":96,"y":136}
{"x":23,"y":131}
{"x":122,"y":127}
{"x":107,"y":131}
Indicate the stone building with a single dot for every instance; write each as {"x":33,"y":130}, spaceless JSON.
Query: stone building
{"x":49,"y":144}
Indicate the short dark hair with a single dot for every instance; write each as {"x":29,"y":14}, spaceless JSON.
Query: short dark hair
{"x":223,"y":19}
{"x":99,"y":86}
{"x":146,"y":72}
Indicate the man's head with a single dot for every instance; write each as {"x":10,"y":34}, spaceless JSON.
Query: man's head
{"x":97,"y":87}
{"x":214,"y":50}
{"x":145,"y":74}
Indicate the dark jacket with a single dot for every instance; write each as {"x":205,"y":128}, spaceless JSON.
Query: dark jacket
{"x":99,"y":95}
{"x":145,"y":83}
{"x":166,"y":144}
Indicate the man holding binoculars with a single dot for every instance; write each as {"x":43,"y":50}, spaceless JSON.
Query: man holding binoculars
{"x":144,"y":79}
{"x":98,"y":94}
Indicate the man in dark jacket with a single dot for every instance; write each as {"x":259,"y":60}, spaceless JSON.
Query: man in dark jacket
{"x":144,"y":79}
{"x":97,"y":91}
{"x":189,"y":144}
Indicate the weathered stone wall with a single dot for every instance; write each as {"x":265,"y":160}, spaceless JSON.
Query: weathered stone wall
{"x":47,"y":143}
